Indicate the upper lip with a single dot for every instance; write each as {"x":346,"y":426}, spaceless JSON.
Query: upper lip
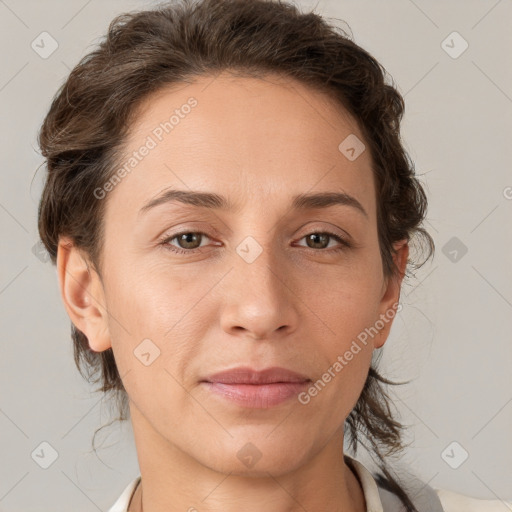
{"x":246,"y":375}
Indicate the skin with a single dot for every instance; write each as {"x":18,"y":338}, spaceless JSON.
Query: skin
{"x":298,"y":305}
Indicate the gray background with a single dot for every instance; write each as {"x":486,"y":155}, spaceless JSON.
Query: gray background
{"x":453,"y":337}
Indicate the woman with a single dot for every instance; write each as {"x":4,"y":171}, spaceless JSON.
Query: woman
{"x":230,"y":208}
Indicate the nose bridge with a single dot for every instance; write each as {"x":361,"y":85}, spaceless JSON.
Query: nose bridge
{"x":258,"y":268}
{"x":258,"y":255}
{"x":257,"y":297}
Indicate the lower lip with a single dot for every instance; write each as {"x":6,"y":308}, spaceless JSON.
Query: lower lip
{"x":260,"y":396}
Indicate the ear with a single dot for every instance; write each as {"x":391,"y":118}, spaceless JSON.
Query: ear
{"x":82,"y":293}
{"x":391,"y":294}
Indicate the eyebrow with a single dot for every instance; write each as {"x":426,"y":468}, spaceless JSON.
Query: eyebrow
{"x":217,"y":202}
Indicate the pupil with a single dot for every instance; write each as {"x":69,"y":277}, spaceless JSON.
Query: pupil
{"x":186,"y":238}
{"x":314,"y":237}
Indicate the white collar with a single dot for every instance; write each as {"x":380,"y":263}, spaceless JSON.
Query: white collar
{"x":368,"y":484}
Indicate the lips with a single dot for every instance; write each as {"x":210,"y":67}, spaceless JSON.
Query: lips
{"x":245,"y":387}
{"x":246,"y":375}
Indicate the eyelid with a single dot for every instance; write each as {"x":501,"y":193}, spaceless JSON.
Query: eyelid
{"x":344,"y":242}
{"x":167,"y":237}
{"x":334,"y":231}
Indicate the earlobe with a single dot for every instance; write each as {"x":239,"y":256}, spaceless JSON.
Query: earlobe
{"x":391,"y":293}
{"x":82,"y":294}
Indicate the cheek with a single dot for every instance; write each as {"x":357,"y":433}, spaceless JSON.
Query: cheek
{"x":146,"y":295}
{"x":153,"y":310}
{"x":348,"y":312}
{"x":347,"y":298}
{"x":151,"y":336}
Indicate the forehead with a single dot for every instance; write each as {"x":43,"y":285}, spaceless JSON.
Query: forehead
{"x":267,"y":138}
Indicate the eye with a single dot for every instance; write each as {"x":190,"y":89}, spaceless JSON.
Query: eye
{"x":320,"y":240}
{"x":189,"y":242}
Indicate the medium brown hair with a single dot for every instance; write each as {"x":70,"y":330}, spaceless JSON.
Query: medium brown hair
{"x":88,"y":121}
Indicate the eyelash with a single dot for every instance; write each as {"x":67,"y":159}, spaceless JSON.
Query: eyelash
{"x":344,"y":244}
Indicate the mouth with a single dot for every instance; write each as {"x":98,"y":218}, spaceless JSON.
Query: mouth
{"x":246,"y":375}
{"x":262,"y":389}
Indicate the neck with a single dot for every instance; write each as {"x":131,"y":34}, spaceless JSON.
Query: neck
{"x":173,"y":481}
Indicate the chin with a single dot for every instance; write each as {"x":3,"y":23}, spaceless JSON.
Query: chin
{"x":256,"y":458}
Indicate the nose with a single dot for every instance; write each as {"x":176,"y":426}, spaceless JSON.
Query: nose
{"x":259,"y":302}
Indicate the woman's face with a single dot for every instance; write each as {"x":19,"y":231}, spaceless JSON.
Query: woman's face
{"x":250,"y":287}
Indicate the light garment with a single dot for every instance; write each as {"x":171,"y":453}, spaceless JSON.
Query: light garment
{"x":425,"y":498}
